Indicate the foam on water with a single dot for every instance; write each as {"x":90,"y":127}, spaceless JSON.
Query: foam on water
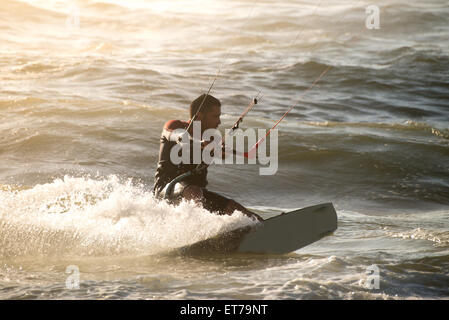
{"x":100,"y":216}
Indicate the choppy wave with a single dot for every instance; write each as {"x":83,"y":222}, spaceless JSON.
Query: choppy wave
{"x":408,"y":125}
{"x":439,"y":238}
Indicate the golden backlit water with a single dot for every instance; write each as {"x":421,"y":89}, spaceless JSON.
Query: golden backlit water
{"x":86,"y":86}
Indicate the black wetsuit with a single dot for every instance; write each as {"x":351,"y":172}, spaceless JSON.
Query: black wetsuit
{"x":166,"y":171}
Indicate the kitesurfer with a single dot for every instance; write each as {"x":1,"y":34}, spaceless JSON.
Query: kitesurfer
{"x":207,"y":110}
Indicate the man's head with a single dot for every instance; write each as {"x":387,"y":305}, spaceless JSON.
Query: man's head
{"x":210,"y":112}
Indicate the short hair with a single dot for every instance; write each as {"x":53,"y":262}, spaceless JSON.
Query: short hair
{"x":209,"y":102}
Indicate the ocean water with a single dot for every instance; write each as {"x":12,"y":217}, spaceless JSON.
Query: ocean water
{"x":86,"y":86}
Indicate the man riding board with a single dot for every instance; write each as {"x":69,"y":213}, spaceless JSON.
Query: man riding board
{"x":207,"y":110}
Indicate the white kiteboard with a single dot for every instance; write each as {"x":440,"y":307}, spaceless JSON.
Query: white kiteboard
{"x":278,"y":235}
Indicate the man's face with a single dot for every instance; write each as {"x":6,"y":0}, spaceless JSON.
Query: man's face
{"x":210,"y":119}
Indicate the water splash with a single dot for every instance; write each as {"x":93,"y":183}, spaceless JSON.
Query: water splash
{"x":86,"y":216}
